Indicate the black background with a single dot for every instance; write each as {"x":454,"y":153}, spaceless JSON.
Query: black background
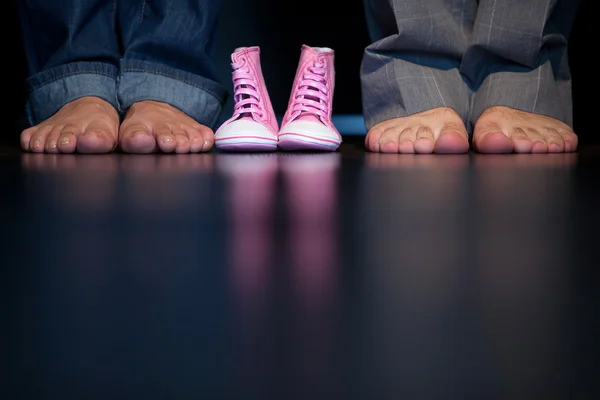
{"x":281,"y":27}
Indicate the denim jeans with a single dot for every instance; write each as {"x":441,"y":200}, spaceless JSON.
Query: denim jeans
{"x":122,"y":51}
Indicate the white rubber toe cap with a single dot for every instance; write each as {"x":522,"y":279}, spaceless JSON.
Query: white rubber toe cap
{"x":244,"y":129}
{"x":312,"y":130}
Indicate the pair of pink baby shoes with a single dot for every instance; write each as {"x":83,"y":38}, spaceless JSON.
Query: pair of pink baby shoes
{"x":306,"y":124}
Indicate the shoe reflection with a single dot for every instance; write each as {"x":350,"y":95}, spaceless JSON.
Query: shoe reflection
{"x":313,"y":251}
{"x":274,"y":246}
{"x":250,"y":196}
{"x":311,"y":197}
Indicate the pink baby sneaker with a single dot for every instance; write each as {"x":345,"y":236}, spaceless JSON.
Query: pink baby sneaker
{"x":307,"y":122}
{"x":253,"y":126}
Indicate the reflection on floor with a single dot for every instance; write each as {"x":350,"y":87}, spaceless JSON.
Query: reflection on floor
{"x":348,"y":274}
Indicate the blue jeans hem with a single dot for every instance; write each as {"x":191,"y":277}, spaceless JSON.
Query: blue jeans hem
{"x":198,"y":97}
{"x":51,"y":89}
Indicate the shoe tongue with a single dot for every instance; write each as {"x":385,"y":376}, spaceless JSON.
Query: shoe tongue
{"x":308,"y":117}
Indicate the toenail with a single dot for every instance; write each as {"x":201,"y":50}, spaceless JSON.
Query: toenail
{"x":36,"y":143}
{"x":167,"y":139}
{"x":65,"y":140}
{"x":196,"y":139}
{"x":52,"y":145}
{"x":205,"y":145}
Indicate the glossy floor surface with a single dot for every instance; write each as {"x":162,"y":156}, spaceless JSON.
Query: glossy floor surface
{"x":300,"y":276}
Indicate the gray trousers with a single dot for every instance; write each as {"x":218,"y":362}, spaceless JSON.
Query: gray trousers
{"x":468,"y":55}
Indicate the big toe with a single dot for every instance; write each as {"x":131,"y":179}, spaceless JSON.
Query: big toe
{"x":494,"y":142}
{"x":138,"y":141}
{"x":97,"y":141}
{"x":451,"y":143}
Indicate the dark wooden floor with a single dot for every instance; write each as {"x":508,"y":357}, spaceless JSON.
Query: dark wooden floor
{"x":313,"y":276}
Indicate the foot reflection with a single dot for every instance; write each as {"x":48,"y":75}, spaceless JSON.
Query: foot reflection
{"x":150,"y":184}
{"x":172,"y":186}
{"x":70,"y":185}
{"x":414,"y":161}
{"x":522,"y":245}
{"x":411,"y":225}
{"x":555,"y":160}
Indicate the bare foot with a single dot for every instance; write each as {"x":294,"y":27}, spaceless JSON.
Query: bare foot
{"x":440,"y":130}
{"x":506,"y":130}
{"x":150,"y":126}
{"x":88,"y":125}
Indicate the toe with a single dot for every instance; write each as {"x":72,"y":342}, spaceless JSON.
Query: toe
{"x":390,"y":146}
{"x":166,"y":140}
{"x":494,"y":143}
{"x":68,"y":139}
{"x":196,"y":140}
{"x":37,"y":141}
{"x":522,"y":146}
{"x":136,"y":138}
{"x":539,"y":147}
{"x":98,"y":137}
{"x":521,"y":143}
{"x":96,"y":141}
{"x":388,"y":142}
{"x":424,"y":142}
{"x":406,"y":144}
{"x":556,"y":146}
{"x":538,"y":143}
{"x":52,"y":140}
{"x":554,"y":140}
{"x":570,"y":139}
{"x":26,"y":137}
{"x":208,"y":137}
{"x":67,"y":142}
{"x":183,"y":142}
{"x":452,"y":143}
{"x":201,"y":138}
{"x":372,"y":141}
